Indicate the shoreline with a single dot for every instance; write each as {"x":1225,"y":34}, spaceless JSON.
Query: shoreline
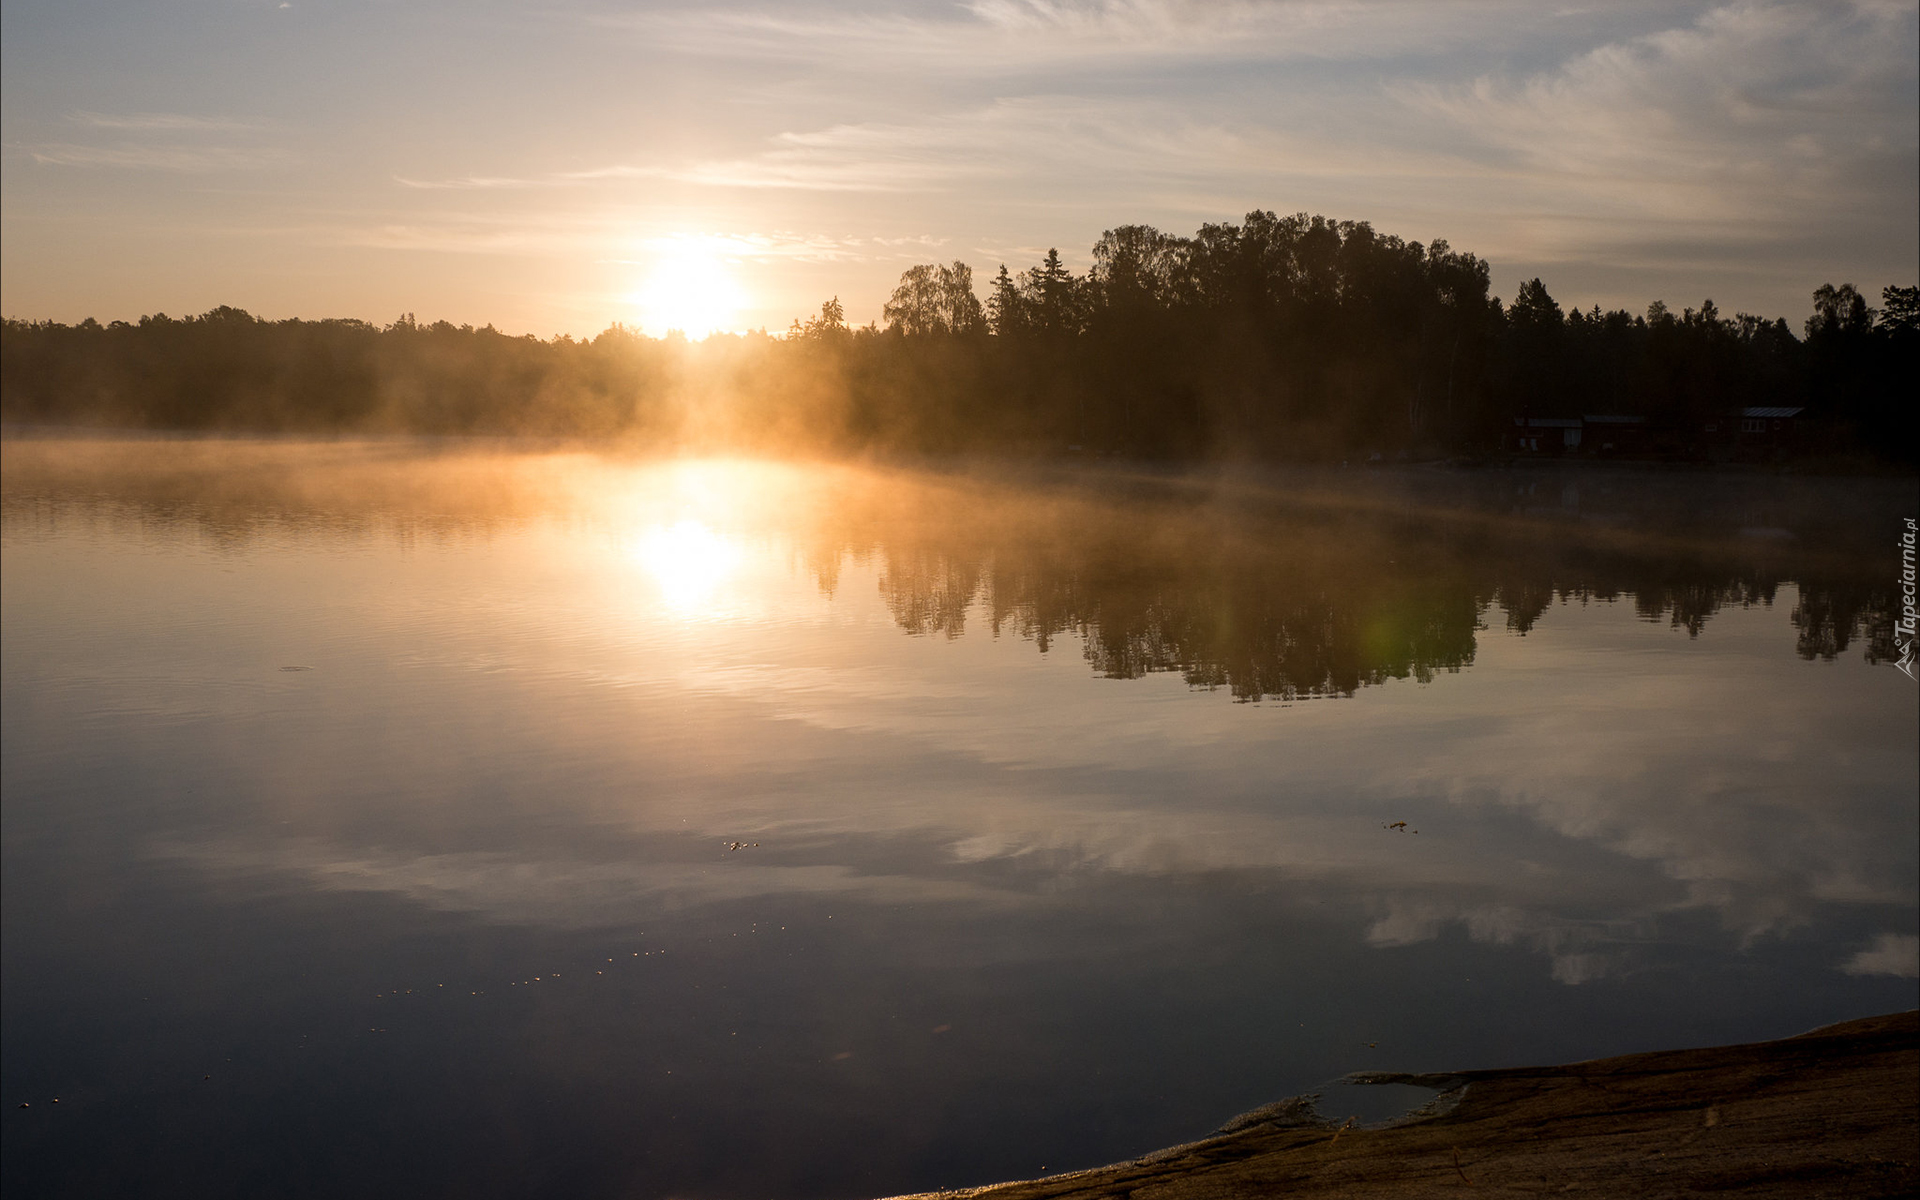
{"x":1832,"y":1111}
{"x":1050,"y":459}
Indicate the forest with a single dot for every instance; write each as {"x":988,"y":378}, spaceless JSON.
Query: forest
{"x":1295,"y":338}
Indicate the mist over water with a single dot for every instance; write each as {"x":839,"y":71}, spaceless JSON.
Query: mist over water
{"x":490,"y":818}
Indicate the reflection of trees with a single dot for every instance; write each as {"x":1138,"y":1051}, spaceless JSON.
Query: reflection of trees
{"x":1830,"y":614}
{"x":1285,"y":586}
{"x":1659,"y":592}
{"x":928,"y":593}
{"x":1271,"y":605}
{"x":1255,"y":627}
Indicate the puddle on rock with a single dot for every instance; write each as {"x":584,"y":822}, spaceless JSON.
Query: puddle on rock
{"x":1370,"y":1103}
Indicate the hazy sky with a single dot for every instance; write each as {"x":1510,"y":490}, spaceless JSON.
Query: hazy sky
{"x":551,"y":167}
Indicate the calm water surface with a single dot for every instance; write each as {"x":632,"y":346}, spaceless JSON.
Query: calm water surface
{"x":401,"y":819}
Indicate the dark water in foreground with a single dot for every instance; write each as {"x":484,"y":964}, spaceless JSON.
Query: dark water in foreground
{"x":370,"y":811}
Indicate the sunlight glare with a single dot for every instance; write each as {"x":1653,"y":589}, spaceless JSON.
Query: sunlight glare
{"x":689,"y":562}
{"x":691,"y":289}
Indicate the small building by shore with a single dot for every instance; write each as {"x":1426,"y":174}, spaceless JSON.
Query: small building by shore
{"x":1753,"y":434}
{"x":1756,"y":433}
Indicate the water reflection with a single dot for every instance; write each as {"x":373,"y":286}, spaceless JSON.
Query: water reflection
{"x":689,"y":562}
{"x":1289,"y":598}
{"x":1308,"y":585}
{"x":909,"y":839}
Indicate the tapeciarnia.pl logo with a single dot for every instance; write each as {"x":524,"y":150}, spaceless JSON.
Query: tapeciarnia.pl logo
{"x":1903,"y":626}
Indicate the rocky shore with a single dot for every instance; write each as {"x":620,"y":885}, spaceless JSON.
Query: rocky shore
{"x":1834,"y":1112}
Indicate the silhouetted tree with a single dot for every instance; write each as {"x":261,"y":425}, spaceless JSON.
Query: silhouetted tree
{"x":1838,"y":311}
{"x":1006,"y":310}
{"x":1900,"y":309}
{"x":935,"y":299}
{"x":1052,"y":298}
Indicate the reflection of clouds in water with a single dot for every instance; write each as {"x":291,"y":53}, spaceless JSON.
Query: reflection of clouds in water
{"x":558,"y":893}
{"x":1564,"y":826}
{"x":1581,"y":950}
{"x":1896,"y":954}
{"x":1755,"y":791}
{"x":1761,"y":787}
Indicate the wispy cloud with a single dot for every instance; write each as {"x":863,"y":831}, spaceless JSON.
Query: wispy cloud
{"x":849,"y":158}
{"x":185,"y":159}
{"x":163,"y":122}
{"x":590,"y":232}
{"x":1004,"y":138}
{"x":556,"y":179}
{"x":784,"y":244}
{"x":158,"y":141}
{"x":455,"y":232}
{"x":473,"y":183}
{"x":994,"y":37}
{"x":1078,"y":145}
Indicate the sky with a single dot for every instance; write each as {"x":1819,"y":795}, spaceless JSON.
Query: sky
{"x":557,"y":167}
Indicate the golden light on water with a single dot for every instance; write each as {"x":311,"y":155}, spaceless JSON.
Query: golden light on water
{"x":688,"y":561}
{"x":691,"y":289}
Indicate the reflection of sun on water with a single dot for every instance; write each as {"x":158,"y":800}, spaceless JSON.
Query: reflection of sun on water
{"x":688,"y":561}
{"x":690,"y":289}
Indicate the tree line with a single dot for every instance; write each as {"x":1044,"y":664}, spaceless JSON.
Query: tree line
{"x":1297,"y":337}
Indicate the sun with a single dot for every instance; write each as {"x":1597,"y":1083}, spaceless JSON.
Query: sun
{"x":690,"y":288}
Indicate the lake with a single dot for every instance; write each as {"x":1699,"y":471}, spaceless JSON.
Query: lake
{"x":403,"y":818}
